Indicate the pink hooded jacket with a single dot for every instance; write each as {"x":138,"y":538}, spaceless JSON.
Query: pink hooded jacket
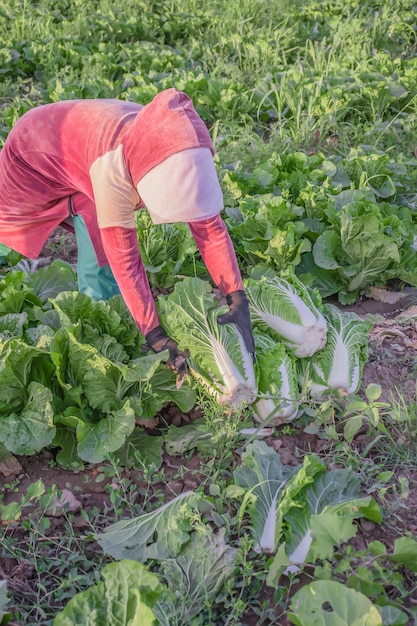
{"x":98,"y":152}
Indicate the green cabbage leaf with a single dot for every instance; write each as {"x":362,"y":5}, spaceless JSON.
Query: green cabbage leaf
{"x":284,"y":305}
{"x":219,"y":359}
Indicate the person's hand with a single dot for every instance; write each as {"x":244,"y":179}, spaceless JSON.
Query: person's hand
{"x":238,"y":314}
{"x":157,"y":340}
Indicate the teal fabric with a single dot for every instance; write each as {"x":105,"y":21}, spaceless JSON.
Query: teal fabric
{"x":4,"y":251}
{"x":93,"y":280}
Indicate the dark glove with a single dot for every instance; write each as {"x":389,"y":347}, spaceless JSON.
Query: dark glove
{"x":239,"y":314}
{"x":157,"y":340}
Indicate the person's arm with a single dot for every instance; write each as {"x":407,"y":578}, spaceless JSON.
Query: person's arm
{"x":115,"y":200}
{"x":121,"y":248}
{"x":216,"y":248}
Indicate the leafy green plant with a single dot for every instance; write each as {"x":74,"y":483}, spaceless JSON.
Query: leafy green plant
{"x":339,"y":366}
{"x":325,"y":520}
{"x":73,"y":374}
{"x":364,"y":246}
{"x":34,"y":493}
{"x":165,"y":249}
{"x":219,"y":359}
{"x":343,"y":416}
{"x":176,"y":594}
{"x":383,"y":575}
{"x":194,"y":578}
{"x":369,"y":411}
{"x":126,"y":595}
{"x":287,"y":309}
{"x":156,"y":535}
{"x":396,"y":433}
{"x":330,"y":603}
{"x":278,"y":394}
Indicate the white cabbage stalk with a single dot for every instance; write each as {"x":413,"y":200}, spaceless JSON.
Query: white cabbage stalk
{"x":279,"y":412}
{"x":340,"y":365}
{"x":281,"y":409}
{"x":264,"y":477}
{"x":267,"y":541}
{"x":219,"y":359}
{"x":344,"y":375}
{"x":288,"y":308}
{"x":299,"y":555}
{"x":233,"y":386}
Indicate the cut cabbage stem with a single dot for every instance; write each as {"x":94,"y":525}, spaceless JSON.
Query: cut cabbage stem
{"x":274,"y":410}
{"x":241,"y":396}
{"x":256,"y":432}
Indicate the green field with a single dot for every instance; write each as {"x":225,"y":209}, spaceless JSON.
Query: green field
{"x":312,"y":108}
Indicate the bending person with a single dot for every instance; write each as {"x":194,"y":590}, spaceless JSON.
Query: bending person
{"x":88,"y":165}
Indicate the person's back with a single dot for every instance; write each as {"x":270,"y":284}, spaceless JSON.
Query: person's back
{"x":61,"y":140}
{"x":47,"y":157}
{"x":89,"y":164}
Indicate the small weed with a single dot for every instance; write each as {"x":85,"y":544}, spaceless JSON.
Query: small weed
{"x":224,"y":426}
{"x":397,"y":445}
{"x":242,"y":591}
{"x":372,"y":572}
{"x":46,"y":564}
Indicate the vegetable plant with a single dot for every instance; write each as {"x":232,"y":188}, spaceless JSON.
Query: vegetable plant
{"x":219,"y":359}
{"x":288,"y":308}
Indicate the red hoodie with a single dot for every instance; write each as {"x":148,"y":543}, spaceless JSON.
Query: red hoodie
{"x":97,"y":151}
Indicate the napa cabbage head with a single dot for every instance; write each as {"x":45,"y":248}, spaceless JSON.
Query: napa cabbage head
{"x":339,"y":366}
{"x":291,"y":310}
{"x":278,"y":396}
{"x":219,"y":359}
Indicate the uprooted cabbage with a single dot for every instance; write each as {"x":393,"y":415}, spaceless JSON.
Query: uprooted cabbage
{"x":339,"y":366}
{"x":219,"y":359}
{"x":291,"y":310}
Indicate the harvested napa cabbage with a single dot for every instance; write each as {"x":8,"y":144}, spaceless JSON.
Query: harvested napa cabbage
{"x":339,"y":366}
{"x":276,"y":376}
{"x":290,"y":309}
{"x":219,"y":359}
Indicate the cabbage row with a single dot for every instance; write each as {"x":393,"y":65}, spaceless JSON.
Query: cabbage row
{"x":72,"y":372}
{"x":301,"y":345}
